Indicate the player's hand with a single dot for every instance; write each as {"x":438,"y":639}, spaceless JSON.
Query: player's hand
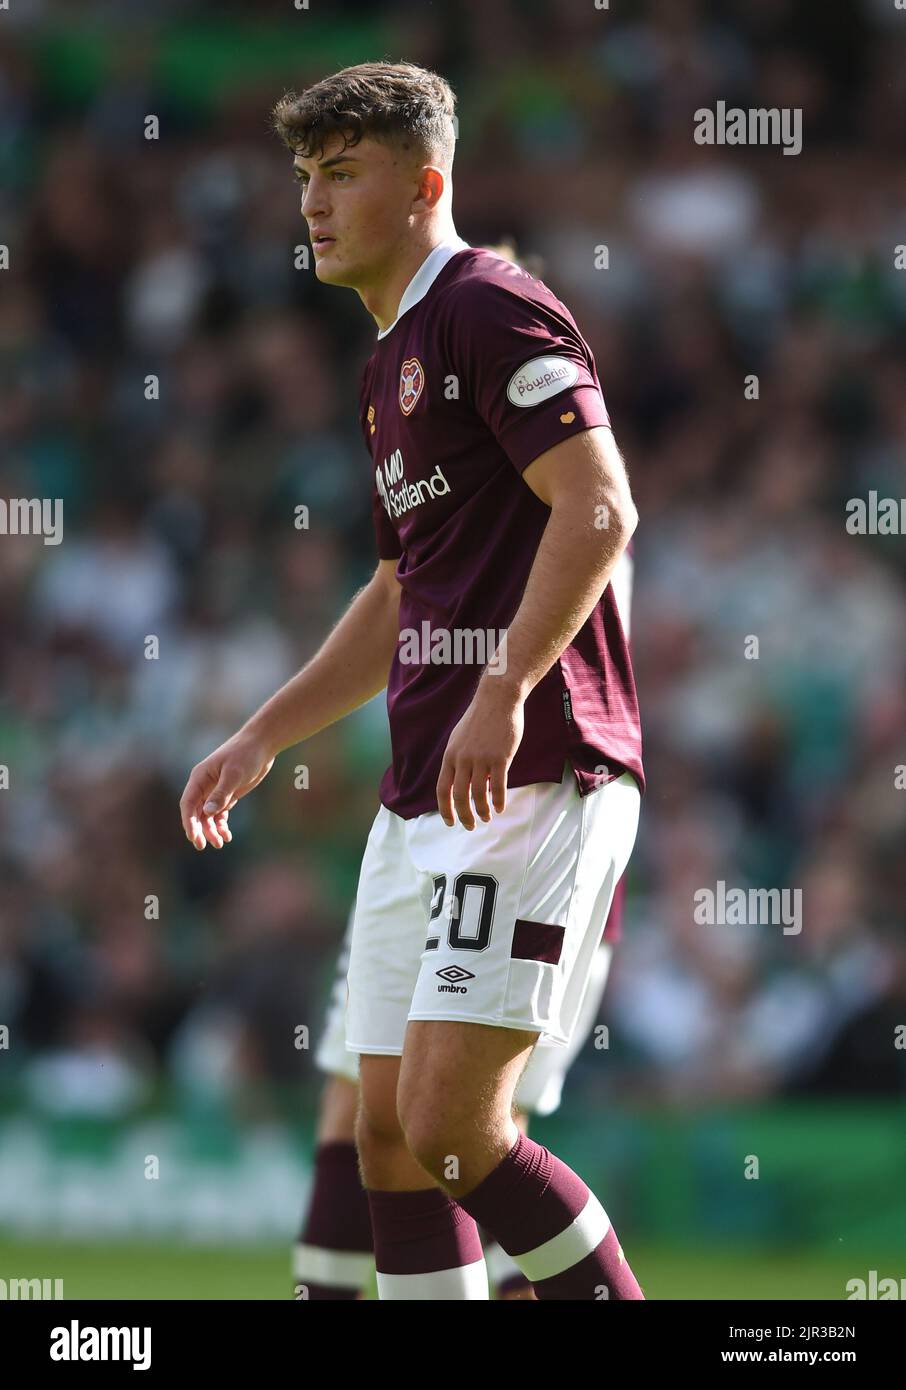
{"x":217,"y":783}
{"x":479,"y":751}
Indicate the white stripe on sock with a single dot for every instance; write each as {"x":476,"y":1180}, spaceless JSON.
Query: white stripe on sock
{"x":463,"y":1284}
{"x":337,"y":1269}
{"x":569,"y":1247}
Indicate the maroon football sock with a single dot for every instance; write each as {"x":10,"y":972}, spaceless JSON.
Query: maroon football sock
{"x":426,"y":1247}
{"x":556,"y":1230}
{"x":333,"y":1255}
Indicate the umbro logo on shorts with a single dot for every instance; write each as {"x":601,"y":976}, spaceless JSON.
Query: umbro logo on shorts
{"x":453,"y":974}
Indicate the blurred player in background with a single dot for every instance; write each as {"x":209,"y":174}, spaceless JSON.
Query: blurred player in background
{"x":501,"y":507}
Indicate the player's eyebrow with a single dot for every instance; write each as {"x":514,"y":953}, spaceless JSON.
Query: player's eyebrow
{"x":327,"y":163}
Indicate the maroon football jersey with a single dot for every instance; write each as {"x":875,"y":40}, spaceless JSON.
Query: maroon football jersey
{"x":481,"y":372}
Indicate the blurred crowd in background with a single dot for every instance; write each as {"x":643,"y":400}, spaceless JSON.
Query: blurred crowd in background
{"x":130,"y":961}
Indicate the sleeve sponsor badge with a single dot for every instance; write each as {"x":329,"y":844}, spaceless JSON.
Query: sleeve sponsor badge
{"x":540,"y":379}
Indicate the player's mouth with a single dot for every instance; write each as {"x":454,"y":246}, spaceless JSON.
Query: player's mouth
{"x":321,"y":242}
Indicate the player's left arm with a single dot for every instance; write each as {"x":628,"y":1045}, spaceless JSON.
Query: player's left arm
{"x":583,"y":481}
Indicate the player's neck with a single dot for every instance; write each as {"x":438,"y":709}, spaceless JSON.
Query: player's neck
{"x":382,"y":300}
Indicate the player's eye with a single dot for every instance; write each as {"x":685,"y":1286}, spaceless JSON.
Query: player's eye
{"x":303,"y":180}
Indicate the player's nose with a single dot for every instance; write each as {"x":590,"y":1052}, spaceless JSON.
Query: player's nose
{"x":314,"y":200}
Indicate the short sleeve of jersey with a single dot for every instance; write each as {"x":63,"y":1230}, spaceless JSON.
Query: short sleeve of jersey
{"x":387,"y":541}
{"x":528,"y":371}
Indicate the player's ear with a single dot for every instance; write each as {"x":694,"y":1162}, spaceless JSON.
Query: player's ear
{"x":431,"y":184}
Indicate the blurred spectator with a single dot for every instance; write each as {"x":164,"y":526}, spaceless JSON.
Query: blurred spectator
{"x":169,"y":373}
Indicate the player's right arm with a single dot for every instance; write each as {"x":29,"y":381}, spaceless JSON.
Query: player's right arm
{"x":350,"y":667}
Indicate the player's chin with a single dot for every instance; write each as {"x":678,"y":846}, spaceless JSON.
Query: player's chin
{"x":330,"y":268}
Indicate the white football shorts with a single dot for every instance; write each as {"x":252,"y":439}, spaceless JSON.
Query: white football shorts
{"x":499,"y":925}
{"x":540,"y":1087}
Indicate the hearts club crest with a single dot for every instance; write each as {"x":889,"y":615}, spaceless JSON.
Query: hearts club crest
{"x":412,"y":379}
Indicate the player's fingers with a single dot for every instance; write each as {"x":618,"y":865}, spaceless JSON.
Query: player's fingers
{"x":498,"y":786}
{"x":480,"y":792}
{"x":195,"y":832}
{"x":462,"y":781}
{"x":445,"y":791}
{"x":199,"y":784}
{"x":213,"y":835}
{"x":223,"y":825}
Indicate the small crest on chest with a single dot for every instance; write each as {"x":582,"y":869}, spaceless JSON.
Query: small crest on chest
{"x":412,"y":379}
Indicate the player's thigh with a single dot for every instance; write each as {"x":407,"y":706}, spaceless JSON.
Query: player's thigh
{"x":453,"y":1070}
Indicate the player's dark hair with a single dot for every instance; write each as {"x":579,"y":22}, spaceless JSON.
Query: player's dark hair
{"x":396,"y":102}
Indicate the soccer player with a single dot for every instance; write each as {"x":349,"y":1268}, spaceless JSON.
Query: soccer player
{"x":508,"y":814}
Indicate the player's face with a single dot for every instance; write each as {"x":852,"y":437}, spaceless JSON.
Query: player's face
{"x":358,"y":204}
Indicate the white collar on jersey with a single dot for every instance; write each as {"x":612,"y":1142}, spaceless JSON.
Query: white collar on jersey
{"x":425,"y":276}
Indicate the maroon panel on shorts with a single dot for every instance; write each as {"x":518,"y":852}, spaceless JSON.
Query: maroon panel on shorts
{"x":537,"y":941}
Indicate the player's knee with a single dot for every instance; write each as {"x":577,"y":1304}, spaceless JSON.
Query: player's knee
{"x":376,"y":1136}
{"x":378,"y":1085}
{"x":377,"y":1123}
{"x":433,"y":1150}
{"x":435,"y":1140}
